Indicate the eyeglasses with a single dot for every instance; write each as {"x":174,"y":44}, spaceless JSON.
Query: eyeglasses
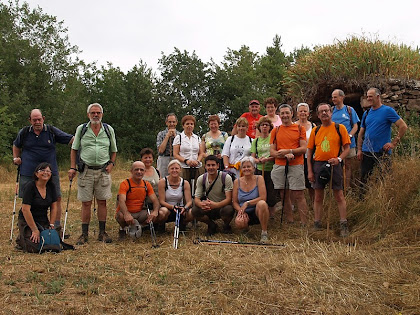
{"x":95,"y":113}
{"x":324,"y":110}
{"x":44,"y":171}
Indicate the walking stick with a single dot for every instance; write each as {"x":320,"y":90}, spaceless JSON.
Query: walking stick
{"x":14,"y":203}
{"x":329,"y":206}
{"x":67,"y":211}
{"x":286,"y":170}
{"x":176,"y":229}
{"x":152,"y":230}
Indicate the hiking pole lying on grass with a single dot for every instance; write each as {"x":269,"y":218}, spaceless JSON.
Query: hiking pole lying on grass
{"x":14,"y":203}
{"x":286,"y":170}
{"x":176,"y":230}
{"x":152,"y":230}
{"x":67,"y":211}
{"x":221,"y":242}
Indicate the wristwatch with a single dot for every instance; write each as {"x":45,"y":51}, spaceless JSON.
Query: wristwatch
{"x":340,"y":159}
{"x":351,"y":136}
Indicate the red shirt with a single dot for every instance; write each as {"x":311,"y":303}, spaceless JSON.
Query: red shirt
{"x":252,"y":121}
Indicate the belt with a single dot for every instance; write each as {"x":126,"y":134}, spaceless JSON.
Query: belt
{"x":94,"y":167}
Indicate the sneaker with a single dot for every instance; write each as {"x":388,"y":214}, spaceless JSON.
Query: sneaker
{"x":318,"y":226}
{"x":82,"y":239}
{"x":344,"y":229}
{"x":264,"y":238}
{"x":212,"y":228}
{"x":103,"y":237}
{"x":122,"y":235}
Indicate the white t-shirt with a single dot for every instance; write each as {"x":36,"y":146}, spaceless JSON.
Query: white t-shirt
{"x":237,"y":150}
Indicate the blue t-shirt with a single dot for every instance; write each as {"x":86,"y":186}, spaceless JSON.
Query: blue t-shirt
{"x":378,"y":127}
{"x":341,"y":116}
{"x":38,"y":149}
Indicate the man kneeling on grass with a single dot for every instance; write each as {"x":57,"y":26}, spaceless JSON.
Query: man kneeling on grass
{"x":131,"y":197}
{"x":213,"y":197}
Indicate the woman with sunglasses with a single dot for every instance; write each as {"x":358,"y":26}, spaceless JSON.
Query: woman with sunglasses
{"x":39,"y":195}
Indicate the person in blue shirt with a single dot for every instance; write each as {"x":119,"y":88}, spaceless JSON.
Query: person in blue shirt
{"x":346,"y":115}
{"x":374,"y":143}
{"x":36,"y":144}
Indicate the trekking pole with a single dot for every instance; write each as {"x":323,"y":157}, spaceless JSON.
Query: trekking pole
{"x":94,"y":213}
{"x":152,"y":230}
{"x":14,"y":203}
{"x":329,"y":206}
{"x":286,"y":170}
{"x":176,"y":229}
{"x":192,"y":176}
{"x":67,"y":211}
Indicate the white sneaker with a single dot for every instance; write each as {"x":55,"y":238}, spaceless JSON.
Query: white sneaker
{"x":264,"y":238}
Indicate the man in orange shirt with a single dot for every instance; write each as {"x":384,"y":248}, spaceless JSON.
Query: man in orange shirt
{"x":131,"y":198}
{"x":288,"y":143}
{"x":252,"y":116}
{"x":327,"y":141}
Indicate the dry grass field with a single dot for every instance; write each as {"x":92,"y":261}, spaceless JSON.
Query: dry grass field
{"x":375,"y":271}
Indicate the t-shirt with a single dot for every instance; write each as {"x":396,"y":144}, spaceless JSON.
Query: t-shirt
{"x":237,"y":150}
{"x":327,"y":141}
{"x":252,"y":121}
{"x":262,"y":149}
{"x":39,"y":205}
{"x":341,"y":116}
{"x":378,"y":127}
{"x":216,"y":194}
{"x":136,"y":197}
{"x":39,"y":148}
{"x":214,"y":146}
{"x":288,"y":137}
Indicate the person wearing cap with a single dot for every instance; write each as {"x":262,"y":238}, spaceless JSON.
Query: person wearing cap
{"x":132,"y":195}
{"x":252,"y":117}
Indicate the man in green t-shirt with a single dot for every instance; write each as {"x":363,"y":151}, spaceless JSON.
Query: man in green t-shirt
{"x":213,"y":199}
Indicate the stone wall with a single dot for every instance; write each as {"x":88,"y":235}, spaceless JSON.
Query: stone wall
{"x":402,"y":94}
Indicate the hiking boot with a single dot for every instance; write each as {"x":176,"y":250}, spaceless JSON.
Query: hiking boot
{"x":103,"y":237}
{"x":122,"y":235}
{"x":344,"y":229}
{"x":318,"y":226}
{"x":264,"y":238}
{"x":82,"y":239}
{"x":227,"y":229}
{"x":212,"y":228}
{"x":58,"y":229}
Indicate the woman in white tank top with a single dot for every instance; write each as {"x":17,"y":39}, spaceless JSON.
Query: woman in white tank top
{"x":175,"y":194}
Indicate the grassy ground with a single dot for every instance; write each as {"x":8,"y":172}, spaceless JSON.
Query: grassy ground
{"x":375,"y":271}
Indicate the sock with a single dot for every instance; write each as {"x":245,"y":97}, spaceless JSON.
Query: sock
{"x":343,"y":221}
{"x":56,"y":223}
{"x":102,"y":226}
{"x":85,"y":228}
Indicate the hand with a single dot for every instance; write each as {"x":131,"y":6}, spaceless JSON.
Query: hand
{"x":108,"y":169}
{"x":282,"y":153}
{"x":17,"y":161}
{"x":205,"y":205}
{"x":388,"y":146}
{"x":289,"y":156}
{"x":72,"y":174}
{"x":151,"y":217}
{"x":35,"y":236}
{"x":171,"y":133}
{"x":128,"y":218}
{"x":219,"y":156}
{"x":193,"y":163}
{"x":360,"y":155}
{"x":311,"y":176}
{"x":334,"y":161}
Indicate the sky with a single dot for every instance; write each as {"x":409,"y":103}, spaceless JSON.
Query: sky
{"x":126,"y":31}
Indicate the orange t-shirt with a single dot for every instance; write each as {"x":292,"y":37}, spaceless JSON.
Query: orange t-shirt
{"x":136,"y":197}
{"x":288,"y":137}
{"x":327,"y":141}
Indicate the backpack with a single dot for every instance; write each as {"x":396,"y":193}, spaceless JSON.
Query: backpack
{"x":211,"y":187}
{"x":129,"y":190}
{"x":79,"y":162}
{"x":364,"y":118}
{"x":50,"y":241}
{"x":25,"y":131}
{"x":233,"y":137}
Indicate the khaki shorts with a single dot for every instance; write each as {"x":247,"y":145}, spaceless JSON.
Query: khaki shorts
{"x":351,"y":154}
{"x":295,"y":177}
{"x":93,"y":182}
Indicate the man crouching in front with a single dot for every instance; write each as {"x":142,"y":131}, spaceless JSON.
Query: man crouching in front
{"x":131,"y":199}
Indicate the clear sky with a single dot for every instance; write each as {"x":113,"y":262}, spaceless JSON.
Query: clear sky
{"x":126,"y":31}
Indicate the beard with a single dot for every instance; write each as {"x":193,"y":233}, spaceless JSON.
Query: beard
{"x":95,"y":122}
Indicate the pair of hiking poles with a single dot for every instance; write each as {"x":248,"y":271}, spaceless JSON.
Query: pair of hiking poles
{"x":15,"y":200}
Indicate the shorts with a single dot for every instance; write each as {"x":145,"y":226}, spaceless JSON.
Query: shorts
{"x":295,"y":177}
{"x":23,"y":180}
{"x":337,"y":172}
{"x":162,"y":165}
{"x":351,"y":154}
{"x":94,"y":183}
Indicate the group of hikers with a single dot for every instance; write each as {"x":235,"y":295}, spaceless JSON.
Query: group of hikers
{"x":235,"y":178}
